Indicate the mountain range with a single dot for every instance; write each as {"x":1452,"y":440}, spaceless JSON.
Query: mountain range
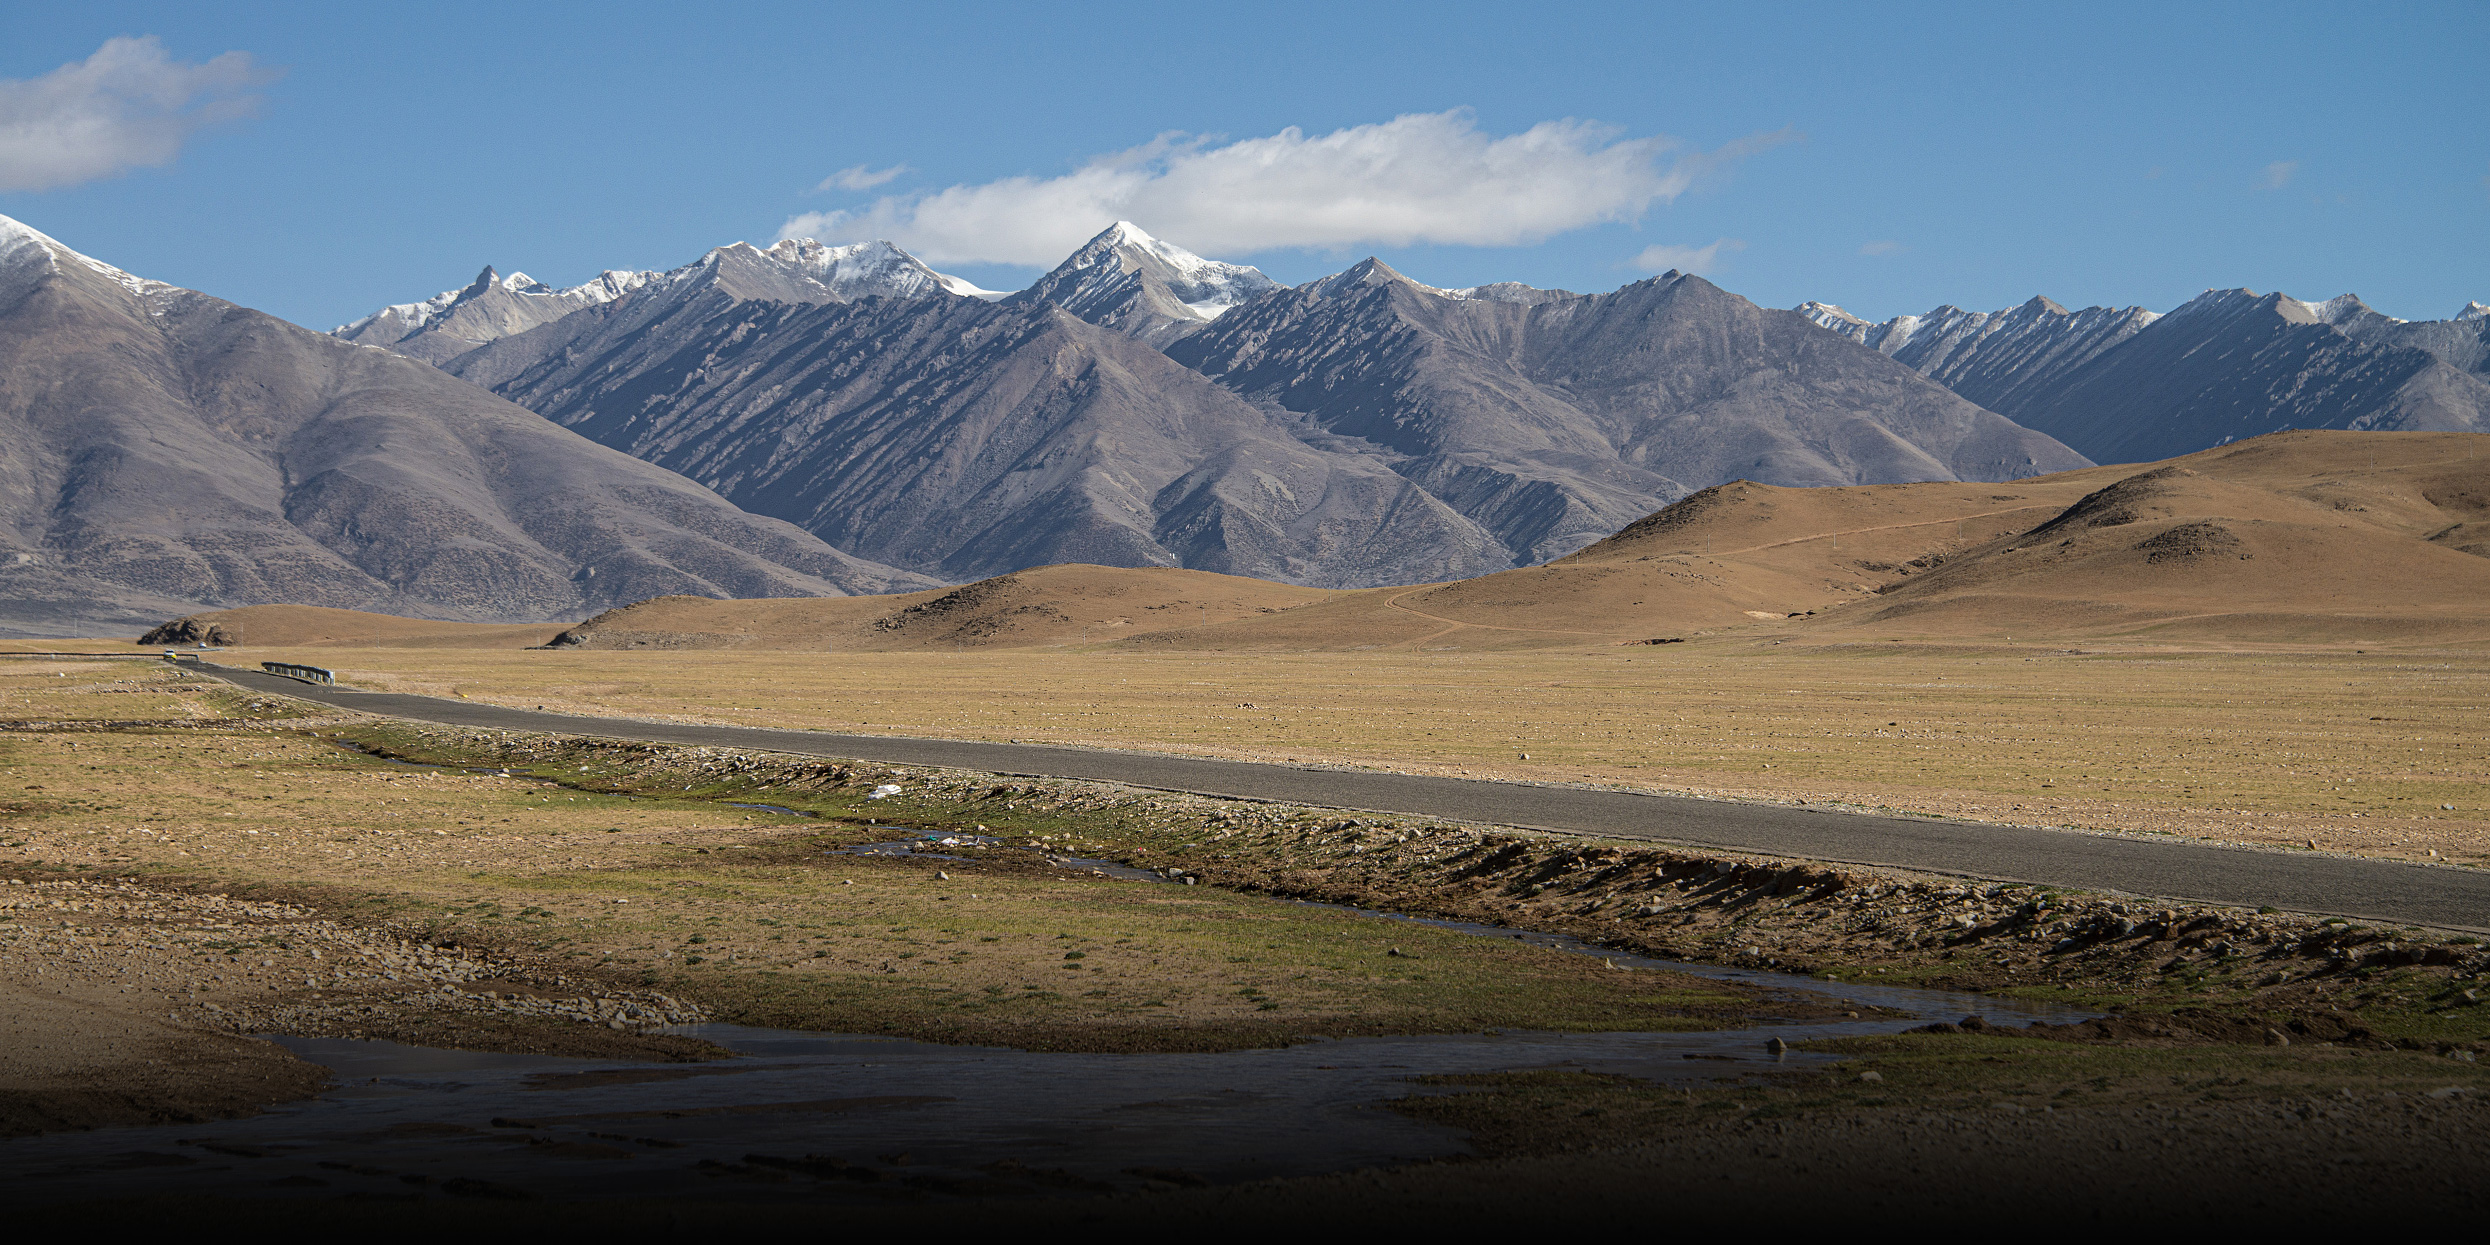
{"x":2127,"y":385}
{"x":160,"y":448}
{"x":806,"y":419}
{"x":1140,"y":405}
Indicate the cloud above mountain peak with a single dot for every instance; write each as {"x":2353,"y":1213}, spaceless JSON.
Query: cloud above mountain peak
{"x":1418,"y":178}
{"x":130,"y":105}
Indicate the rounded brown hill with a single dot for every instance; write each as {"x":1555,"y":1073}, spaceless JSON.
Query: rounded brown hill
{"x":1072,"y":603}
{"x":2295,"y":537}
{"x":1733,"y":555}
{"x":298,"y":626}
{"x":2301,"y":536}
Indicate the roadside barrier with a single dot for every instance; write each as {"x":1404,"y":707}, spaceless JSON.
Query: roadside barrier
{"x":308,"y":674}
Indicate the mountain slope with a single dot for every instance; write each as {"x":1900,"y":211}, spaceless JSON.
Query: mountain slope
{"x":1554,"y":419}
{"x":162,"y":450}
{"x":971,"y":439}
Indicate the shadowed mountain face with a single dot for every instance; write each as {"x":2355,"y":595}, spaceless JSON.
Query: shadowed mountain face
{"x":159,"y":447}
{"x":2128,"y":385}
{"x":2002,"y":360}
{"x":1555,"y":419}
{"x":972,"y":439}
{"x":2231,"y":365}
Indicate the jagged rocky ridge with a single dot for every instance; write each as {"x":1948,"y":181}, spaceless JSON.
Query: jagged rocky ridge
{"x":2127,"y":385}
{"x":162,"y":451}
{"x":798,"y":270}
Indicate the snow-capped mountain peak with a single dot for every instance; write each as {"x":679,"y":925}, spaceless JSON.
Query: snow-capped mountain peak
{"x":2474,"y":311}
{"x":2334,"y":310}
{"x":544,"y":303}
{"x":868,"y":269}
{"x":1365,"y":272}
{"x":1125,"y":279}
{"x":1207,"y":287}
{"x":1826,"y":315}
{"x":796,"y":270}
{"x":1371,"y":271}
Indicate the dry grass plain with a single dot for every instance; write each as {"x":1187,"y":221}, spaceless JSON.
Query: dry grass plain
{"x":2354,"y":751}
{"x":202,"y":789}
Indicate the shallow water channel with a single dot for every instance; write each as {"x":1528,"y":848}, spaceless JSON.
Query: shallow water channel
{"x":881,"y":1116}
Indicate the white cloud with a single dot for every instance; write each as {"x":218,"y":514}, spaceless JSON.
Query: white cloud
{"x":1421,"y":178}
{"x":1887,"y":247}
{"x":2278,"y":174}
{"x":859,"y":177}
{"x":1699,"y":260}
{"x":128,"y":106}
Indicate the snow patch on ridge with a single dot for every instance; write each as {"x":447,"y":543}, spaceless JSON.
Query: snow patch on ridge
{"x":410,"y":317}
{"x":27,"y":253}
{"x":867,"y":269}
{"x":2335,"y":310}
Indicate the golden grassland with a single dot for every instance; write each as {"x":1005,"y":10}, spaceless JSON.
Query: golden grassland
{"x":2331,"y":746}
{"x":592,"y":866}
{"x":745,"y":910}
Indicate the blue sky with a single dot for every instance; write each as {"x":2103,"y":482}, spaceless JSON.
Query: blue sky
{"x":1887,"y":158}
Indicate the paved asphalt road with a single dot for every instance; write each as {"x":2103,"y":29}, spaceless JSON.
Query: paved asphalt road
{"x":2305,"y":882}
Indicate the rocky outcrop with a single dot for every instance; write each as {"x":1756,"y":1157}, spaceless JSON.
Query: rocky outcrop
{"x":193,"y":631}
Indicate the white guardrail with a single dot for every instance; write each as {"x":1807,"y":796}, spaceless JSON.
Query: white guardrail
{"x":308,"y":674}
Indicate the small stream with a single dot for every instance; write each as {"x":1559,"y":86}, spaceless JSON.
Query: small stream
{"x":883,"y":1116}
{"x":895,"y":1115}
